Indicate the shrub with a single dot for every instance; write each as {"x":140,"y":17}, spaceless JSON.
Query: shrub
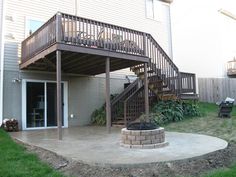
{"x":99,"y":116}
{"x":172,"y":110}
{"x":191,"y":109}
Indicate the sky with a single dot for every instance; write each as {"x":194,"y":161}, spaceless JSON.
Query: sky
{"x":203,"y":39}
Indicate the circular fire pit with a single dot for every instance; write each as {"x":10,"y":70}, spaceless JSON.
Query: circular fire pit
{"x":143,"y":139}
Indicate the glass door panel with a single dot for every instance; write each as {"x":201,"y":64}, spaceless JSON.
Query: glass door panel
{"x":52,"y":104}
{"x":35,"y":105}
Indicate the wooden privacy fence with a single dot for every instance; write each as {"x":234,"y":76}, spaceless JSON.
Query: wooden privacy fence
{"x":213,"y":90}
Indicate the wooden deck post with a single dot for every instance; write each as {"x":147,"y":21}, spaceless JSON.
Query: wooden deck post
{"x":59,"y":102}
{"x":108,"y":102}
{"x":146,"y":95}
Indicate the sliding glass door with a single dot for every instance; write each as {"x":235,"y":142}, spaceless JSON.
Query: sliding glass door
{"x":41,"y":104}
{"x":35,"y":105}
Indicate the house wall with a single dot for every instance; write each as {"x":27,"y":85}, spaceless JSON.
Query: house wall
{"x":1,"y":21}
{"x":203,"y":38}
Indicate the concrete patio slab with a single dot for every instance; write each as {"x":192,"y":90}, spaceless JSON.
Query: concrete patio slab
{"x":94,"y":146}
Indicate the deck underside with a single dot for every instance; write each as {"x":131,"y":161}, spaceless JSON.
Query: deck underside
{"x":81,"y":60}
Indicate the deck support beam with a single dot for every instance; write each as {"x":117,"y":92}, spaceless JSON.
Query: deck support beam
{"x":59,"y":98}
{"x":108,"y":101}
{"x":146,"y":95}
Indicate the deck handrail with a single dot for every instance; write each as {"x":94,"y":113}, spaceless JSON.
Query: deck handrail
{"x":139,"y":105}
{"x":118,"y":101}
{"x":187,"y":83}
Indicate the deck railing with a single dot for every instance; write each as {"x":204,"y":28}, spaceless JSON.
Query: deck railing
{"x":42,"y":38}
{"x":187,"y":83}
{"x":117,"y":104}
{"x":231,"y":67}
{"x":70,"y":29}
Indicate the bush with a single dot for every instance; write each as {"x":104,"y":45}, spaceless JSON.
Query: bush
{"x":191,"y":109}
{"x":172,"y":111}
{"x":99,"y":116}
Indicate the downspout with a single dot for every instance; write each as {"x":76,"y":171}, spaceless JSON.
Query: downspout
{"x":76,"y":8}
{"x":2,"y":60}
{"x":170,"y":34}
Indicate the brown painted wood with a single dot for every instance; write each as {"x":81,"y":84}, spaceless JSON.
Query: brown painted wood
{"x":108,"y":102}
{"x":59,"y":98}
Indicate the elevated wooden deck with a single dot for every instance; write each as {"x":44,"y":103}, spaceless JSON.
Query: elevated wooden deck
{"x":84,"y":44}
{"x":231,"y":68}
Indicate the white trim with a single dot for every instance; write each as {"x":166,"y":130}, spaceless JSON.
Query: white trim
{"x":24,"y":103}
{"x":45,"y":104}
{"x":2,"y":61}
{"x":66,"y":117}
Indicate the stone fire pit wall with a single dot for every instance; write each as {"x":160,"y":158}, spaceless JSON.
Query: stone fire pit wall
{"x":143,"y":139}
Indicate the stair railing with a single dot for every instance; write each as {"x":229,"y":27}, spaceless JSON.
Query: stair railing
{"x":162,"y":65}
{"x":134,"y":105}
{"x":117,"y":104}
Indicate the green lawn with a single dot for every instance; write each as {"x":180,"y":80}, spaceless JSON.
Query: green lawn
{"x":223,"y":173}
{"x":15,"y":161}
{"x":210,"y":124}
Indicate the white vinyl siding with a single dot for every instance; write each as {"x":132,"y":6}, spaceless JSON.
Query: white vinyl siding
{"x":150,"y":9}
{"x":19,"y":10}
{"x":1,"y":25}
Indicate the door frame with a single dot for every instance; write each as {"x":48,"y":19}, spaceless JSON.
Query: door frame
{"x":24,"y":103}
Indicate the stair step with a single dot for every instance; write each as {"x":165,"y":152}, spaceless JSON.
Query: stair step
{"x":142,"y":73}
{"x":137,"y":67}
{"x":155,"y":82}
{"x":192,"y":96}
{"x":166,"y":97}
{"x":118,"y":126}
{"x":119,"y":122}
{"x":119,"y":118}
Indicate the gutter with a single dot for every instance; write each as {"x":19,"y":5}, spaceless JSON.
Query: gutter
{"x":2,"y":60}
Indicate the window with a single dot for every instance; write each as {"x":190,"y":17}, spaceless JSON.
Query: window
{"x":32,"y":26}
{"x":154,"y":9}
{"x":150,"y":9}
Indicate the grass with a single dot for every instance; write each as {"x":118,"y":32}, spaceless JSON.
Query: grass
{"x":15,"y":161}
{"x":210,"y":124}
{"x":223,"y":173}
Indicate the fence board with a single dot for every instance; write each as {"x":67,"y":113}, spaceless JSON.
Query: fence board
{"x":213,"y":90}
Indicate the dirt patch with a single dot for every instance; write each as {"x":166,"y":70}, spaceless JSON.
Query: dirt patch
{"x":188,"y":167}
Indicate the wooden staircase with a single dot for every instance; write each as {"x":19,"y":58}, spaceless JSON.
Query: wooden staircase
{"x":165,"y":82}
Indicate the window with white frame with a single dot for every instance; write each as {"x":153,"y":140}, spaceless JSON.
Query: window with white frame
{"x":154,"y":9}
{"x":32,"y":25}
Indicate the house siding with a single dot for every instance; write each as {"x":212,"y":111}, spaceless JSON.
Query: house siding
{"x":1,"y":28}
